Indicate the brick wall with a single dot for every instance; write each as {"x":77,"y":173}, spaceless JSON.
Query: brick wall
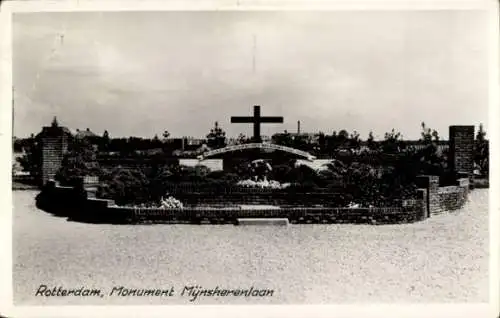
{"x":431,"y":200}
{"x":231,"y":214}
{"x":79,"y":203}
{"x":461,"y":155}
{"x":443,"y":199}
{"x":78,"y":206}
{"x":450,"y":198}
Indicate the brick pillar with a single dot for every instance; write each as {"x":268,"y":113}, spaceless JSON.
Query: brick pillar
{"x":461,"y":153}
{"x":422,"y":203}
{"x":431,"y":184}
{"x":54,"y":142}
{"x":433,"y":194}
{"x":54,"y":146}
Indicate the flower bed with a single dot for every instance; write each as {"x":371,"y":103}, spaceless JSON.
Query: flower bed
{"x":263,"y":184}
{"x":168,"y":203}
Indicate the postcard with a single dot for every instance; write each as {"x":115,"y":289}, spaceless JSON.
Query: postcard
{"x":174,"y":157}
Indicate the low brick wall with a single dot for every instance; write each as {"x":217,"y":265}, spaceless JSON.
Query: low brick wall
{"x":450,"y":198}
{"x":77,"y":204}
{"x":444,"y":199}
{"x":230,"y":215}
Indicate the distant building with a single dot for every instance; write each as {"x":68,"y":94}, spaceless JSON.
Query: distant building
{"x":150,"y":152}
{"x":265,"y":138}
{"x":89,"y":136}
{"x":307,"y":137}
{"x":185,"y":143}
{"x":191,"y":141}
{"x":87,"y":133}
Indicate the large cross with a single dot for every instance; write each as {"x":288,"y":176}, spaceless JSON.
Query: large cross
{"x":256,"y":120}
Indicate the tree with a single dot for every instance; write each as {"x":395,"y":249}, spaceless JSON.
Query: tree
{"x":343,"y":138}
{"x":428,"y":135}
{"x":166,"y":134}
{"x":105,"y":141}
{"x":392,"y":142}
{"x":435,"y":135}
{"x":242,"y":139}
{"x":354,"y":141}
{"x":54,"y":122}
{"x":31,"y":161}
{"x":321,"y":142}
{"x":481,"y":151}
{"x":301,"y":142}
{"x":156,"y":143}
{"x":217,"y":137}
{"x":343,"y":134}
{"x":481,"y":134}
{"x":371,"y":142}
{"x":80,"y":161}
{"x":430,"y":160}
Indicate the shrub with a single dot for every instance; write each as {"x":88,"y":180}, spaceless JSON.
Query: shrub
{"x":80,"y":161}
{"x":125,"y":186}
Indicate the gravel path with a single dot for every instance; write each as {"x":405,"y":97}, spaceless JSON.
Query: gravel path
{"x":443,"y":259}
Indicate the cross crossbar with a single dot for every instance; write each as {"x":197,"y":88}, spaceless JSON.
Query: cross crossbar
{"x":256,"y":120}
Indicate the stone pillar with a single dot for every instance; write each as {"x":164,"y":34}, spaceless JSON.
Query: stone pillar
{"x":461,"y":153}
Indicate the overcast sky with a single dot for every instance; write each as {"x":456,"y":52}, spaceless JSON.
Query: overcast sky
{"x":142,"y":73}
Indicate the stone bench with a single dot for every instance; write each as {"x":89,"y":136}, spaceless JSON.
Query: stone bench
{"x":263,"y":221}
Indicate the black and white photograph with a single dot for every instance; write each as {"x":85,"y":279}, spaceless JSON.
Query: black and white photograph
{"x":250,"y":157}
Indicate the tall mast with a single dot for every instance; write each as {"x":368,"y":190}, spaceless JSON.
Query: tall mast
{"x":254,"y":52}
{"x":12,"y":110}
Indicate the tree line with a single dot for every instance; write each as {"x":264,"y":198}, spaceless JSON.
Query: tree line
{"x":325,"y":145}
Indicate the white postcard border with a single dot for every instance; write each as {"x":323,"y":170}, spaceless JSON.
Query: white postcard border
{"x":382,"y":310}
